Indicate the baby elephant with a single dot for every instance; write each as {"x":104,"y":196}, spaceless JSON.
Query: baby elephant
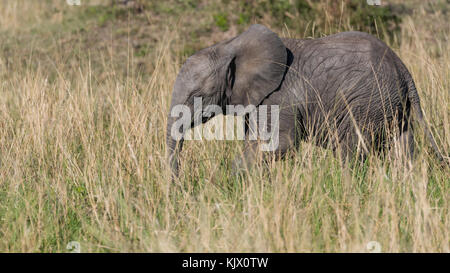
{"x":345,"y":91}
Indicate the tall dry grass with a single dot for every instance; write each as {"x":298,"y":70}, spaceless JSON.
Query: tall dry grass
{"x":82,"y":158}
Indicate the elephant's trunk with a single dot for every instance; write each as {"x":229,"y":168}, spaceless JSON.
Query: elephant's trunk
{"x":174,"y":140}
{"x":174,"y":147}
{"x":182,"y":107}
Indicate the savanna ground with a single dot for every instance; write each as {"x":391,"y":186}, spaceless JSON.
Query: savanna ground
{"x":85,"y":92}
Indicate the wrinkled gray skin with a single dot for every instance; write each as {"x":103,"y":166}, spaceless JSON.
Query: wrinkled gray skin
{"x":343,"y":91}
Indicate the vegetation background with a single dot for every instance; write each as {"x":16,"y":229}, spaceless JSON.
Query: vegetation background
{"x":85,"y":91}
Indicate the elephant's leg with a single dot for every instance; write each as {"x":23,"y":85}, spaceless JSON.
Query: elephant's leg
{"x":281,"y":137}
{"x":351,"y":146}
{"x":252,"y":152}
{"x":245,"y":159}
{"x":345,"y":149}
{"x":405,"y":142}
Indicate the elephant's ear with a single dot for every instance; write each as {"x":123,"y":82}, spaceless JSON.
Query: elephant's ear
{"x":258,"y":66}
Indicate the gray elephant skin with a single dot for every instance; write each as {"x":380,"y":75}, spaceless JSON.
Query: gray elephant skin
{"x":344,"y":91}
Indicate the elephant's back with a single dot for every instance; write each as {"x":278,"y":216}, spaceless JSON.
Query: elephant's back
{"x":358,"y":47}
{"x":342,"y":71}
{"x":345,"y":60}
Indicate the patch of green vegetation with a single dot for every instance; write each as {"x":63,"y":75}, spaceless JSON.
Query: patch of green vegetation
{"x":171,"y":7}
{"x":193,"y":44}
{"x":221,"y":20}
{"x":278,"y":9}
{"x":189,"y":50}
{"x":303,"y":8}
{"x":243,"y":19}
{"x":442,"y":6}
{"x":284,"y":12}
{"x":298,"y":14}
{"x":103,"y":14}
{"x":370,"y":18}
{"x":141,"y":52}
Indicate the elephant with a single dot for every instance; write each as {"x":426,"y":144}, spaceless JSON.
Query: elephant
{"x":345,"y":91}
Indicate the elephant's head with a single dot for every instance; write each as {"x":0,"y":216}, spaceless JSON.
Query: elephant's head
{"x":243,"y":70}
